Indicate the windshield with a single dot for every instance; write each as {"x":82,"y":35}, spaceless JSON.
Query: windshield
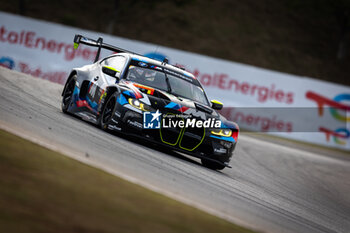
{"x":166,"y":82}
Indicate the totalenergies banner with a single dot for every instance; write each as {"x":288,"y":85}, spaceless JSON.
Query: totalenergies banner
{"x":257,"y":99}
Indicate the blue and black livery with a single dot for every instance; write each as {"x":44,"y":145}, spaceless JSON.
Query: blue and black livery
{"x":115,"y":92}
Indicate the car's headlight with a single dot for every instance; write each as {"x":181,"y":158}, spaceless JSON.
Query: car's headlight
{"x":222,"y":132}
{"x":137,"y":104}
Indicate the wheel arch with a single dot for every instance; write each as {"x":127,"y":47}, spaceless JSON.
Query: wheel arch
{"x":74,"y":72}
{"x":110,"y":90}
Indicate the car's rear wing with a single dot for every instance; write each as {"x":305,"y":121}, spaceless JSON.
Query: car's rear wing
{"x":79,"y":39}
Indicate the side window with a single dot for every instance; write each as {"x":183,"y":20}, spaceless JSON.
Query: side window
{"x":116,"y":62}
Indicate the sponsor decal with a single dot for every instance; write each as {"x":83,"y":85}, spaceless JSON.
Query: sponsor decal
{"x":136,"y":91}
{"x":151,"y":120}
{"x":335,"y":104}
{"x":184,"y":121}
{"x":30,"y":39}
{"x":142,"y":64}
{"x":262,"y":93}
{"x":177,"y":107}
{"x":113,"y":127}
{"x":178,"y":75}
{"x":155,"y":120}
{"x":92,"y":90}
{"x":148,"y":90}
{"x":156,"y":67}
{"x":339,"y":111}
{"x":220,"y":151}
{"x":82,"y":103}
{"x":86,"y":103}
{"x":339,"y":135}
{"x":114,"y":121}
{"x":117,"y":114}
{"x":134,"y":123}
{"x":7,"y":62}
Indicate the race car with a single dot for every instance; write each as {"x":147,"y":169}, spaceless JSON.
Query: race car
{"x":151,"y":99}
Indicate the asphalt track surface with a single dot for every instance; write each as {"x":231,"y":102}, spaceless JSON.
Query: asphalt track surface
{"x":271,"y":187}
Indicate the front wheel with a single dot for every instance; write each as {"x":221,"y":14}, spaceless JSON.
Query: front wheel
{"x":67,"y":95}
{"x":212,"y":165}
{"x":108,"y":111}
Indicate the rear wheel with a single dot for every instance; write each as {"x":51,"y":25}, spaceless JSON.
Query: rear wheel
{"x":108,"y":111}
{"x":212,"y":165}
{"x":68,"y":94}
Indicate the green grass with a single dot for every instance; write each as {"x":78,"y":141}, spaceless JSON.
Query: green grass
{"x":44,"y":191}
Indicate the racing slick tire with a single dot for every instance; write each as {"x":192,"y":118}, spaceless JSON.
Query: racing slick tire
{"x":68,"y":94}
{"x":108,"y":110}
{"x":212,"y":165}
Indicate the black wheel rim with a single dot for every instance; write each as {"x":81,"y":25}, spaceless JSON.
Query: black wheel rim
{"x":108,"y":111}
{"x":67,"y":97}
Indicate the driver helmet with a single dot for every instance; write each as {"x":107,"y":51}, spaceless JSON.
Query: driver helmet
{"x":150,"y":75}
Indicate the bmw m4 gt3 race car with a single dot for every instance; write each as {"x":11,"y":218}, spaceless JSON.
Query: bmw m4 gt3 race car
{"x":152,"y":99}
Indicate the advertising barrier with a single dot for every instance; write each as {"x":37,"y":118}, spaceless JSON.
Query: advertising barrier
{"x":257,"y":99}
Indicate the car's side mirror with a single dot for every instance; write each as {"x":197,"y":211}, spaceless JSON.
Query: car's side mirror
{"x":217,"y":105}
{"x":111,"y":71}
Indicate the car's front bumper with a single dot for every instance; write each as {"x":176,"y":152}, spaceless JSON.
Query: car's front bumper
{"x":199,"y":143}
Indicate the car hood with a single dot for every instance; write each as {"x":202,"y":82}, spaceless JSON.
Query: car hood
{"x":168,"y":103}
{"x":160,"y":99}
